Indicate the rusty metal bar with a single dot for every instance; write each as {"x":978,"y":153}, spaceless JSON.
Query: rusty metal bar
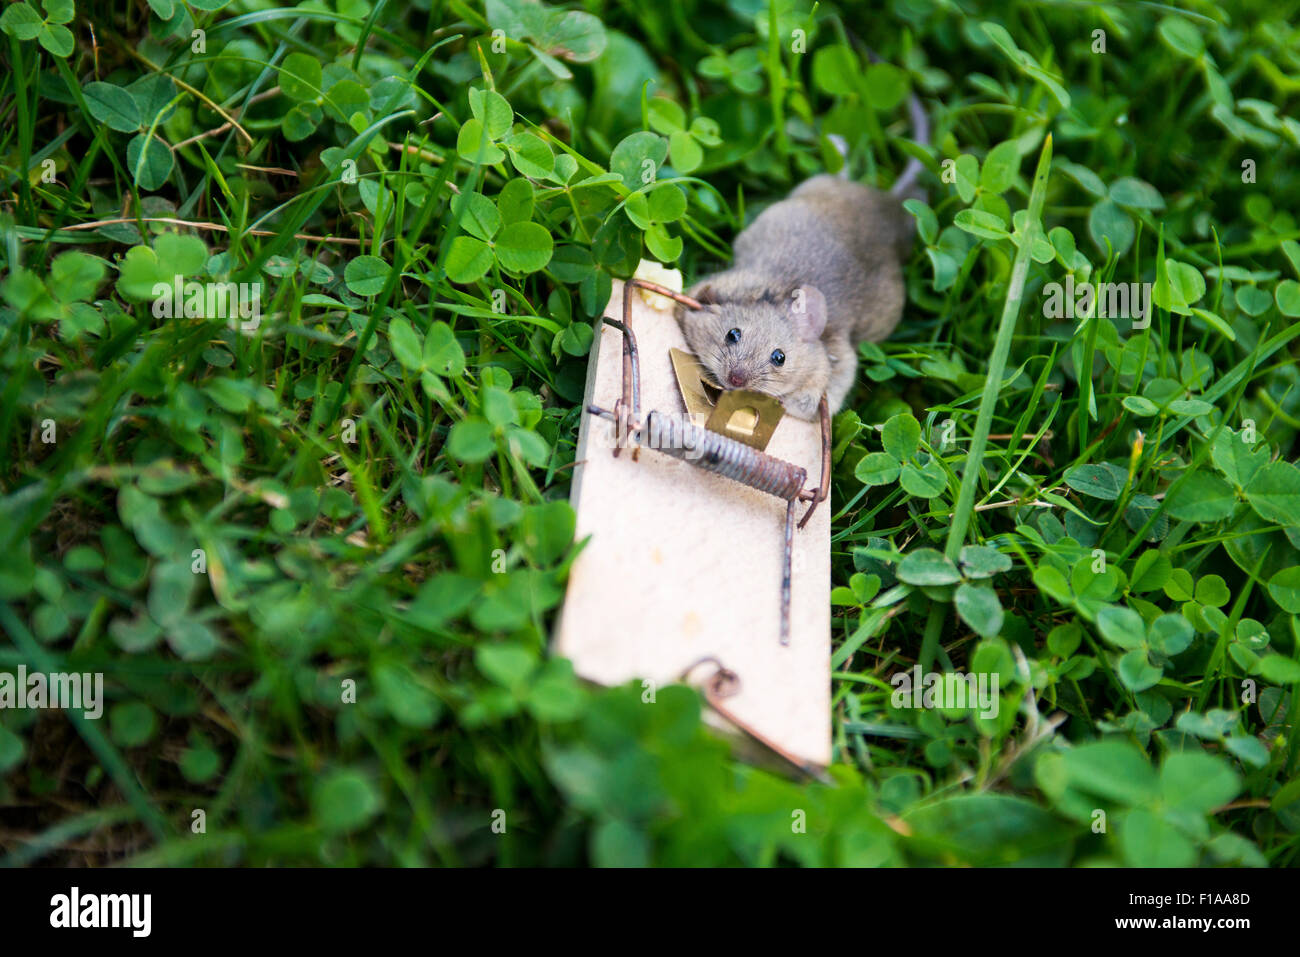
{"x":724,"y":683}
{"x":785,"y":571}
{"x":820,"y":493}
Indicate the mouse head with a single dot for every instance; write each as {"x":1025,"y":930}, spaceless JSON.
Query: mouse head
{"x":770,"y":344}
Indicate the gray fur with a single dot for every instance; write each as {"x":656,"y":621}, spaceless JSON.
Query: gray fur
{"x":828,"y":254}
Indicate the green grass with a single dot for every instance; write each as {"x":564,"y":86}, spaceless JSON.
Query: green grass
{"x":317,"y":561}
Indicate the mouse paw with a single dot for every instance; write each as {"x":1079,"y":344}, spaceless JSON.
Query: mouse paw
{"x":802,"y":405}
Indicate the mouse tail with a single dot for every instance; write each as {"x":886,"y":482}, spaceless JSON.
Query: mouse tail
{"x":905,"y":186}
{"x":842,"y":147}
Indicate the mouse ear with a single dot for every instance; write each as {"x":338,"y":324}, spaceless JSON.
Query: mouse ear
{"x":705,"y":296}
{"x":808,"y":312}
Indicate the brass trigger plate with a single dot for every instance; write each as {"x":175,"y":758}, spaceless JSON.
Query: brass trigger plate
{"x":741,"y":414}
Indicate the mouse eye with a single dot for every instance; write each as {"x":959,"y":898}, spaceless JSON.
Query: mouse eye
{"x":733,"y":336}
{"x":778,"y":357}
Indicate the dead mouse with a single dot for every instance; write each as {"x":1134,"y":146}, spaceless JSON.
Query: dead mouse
{"x":813,"y":275}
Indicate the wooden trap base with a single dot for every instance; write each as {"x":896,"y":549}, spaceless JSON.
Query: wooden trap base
{"x":683,"y":564}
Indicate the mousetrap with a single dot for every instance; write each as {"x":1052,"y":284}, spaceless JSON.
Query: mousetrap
{"x":707,"y":543}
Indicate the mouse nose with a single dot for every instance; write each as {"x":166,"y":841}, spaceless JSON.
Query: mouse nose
{"x":735,"y":379}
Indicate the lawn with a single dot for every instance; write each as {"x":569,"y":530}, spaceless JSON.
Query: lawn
{"x":294,"y":320}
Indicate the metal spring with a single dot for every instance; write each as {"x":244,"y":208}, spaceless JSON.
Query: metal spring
{"x":675,"y":435}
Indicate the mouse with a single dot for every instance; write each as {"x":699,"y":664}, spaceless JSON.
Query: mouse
{"x":811,"y":277}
